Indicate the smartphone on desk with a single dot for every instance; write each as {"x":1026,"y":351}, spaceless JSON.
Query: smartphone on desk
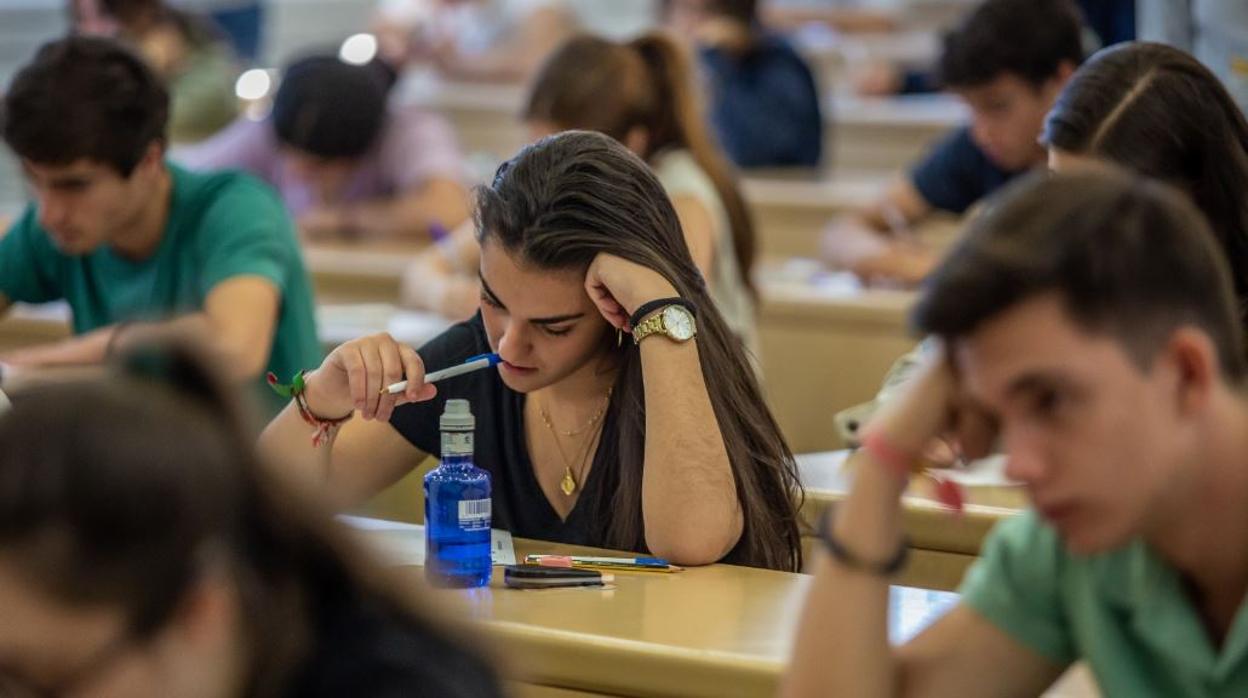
{"x":537,"y":577}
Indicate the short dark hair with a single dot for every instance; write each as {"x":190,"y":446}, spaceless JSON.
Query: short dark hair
{"x":1130,"y":258}
{"x":330,"y":108}
{"x":131,"y":11}
{"x":1030,"y":39}
{"x":744,"y":11}
{"x":85,"y":97}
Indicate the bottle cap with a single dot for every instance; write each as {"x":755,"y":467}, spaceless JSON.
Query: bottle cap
{"x":457,"y":416}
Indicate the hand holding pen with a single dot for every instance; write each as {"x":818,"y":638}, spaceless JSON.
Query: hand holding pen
{"x":357,"y":376}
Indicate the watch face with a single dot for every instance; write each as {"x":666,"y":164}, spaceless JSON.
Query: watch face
{"x":679,"y":323}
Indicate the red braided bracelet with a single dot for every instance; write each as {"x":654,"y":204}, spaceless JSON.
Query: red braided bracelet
{"x":877,"y":445}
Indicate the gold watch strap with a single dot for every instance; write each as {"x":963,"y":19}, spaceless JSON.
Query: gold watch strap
{"x":649,"y":326}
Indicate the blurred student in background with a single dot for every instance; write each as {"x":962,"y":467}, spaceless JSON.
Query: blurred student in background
{"x":764,"y":103}
{"x":1007,"y":60}
{"x":241,"y":20}
{"x":186,"y":50}
{"x":348,"y":162}
{"x":642,"y":94}
{"x":146,"y":552}
{"x":135,"y":244}
{"x":474,"y":40}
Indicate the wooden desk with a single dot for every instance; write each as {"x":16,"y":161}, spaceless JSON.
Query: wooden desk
{"x":28,"y":325}
{"x":826,"y":349}
{"x":358,"y":273}
{"x":872,"y":134}
{"x":886,"y":134}
{"x":944,"y":545}
{"x":791,"y":209}
{"x":714,"y":631}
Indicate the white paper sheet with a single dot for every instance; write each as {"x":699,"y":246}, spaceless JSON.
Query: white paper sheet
{"x":985,"y":472}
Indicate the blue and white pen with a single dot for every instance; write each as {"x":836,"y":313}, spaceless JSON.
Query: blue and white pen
{"x":475,"y":363}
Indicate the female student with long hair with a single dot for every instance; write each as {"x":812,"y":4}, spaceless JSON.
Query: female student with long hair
{"x":145,"y":551}
{"x":642,"y":94}
{"x":1158,"y":111}
{"x":663,"y":437}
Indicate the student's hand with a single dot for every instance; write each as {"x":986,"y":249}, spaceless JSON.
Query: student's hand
{"x":619,"y":287}
{"x":932,"y":409}
{"x":902,"y":262}
{"x":846,"y":241}
{"x":877,"y":79}
{"x":353,"y":375}
{"x":323,"y":223}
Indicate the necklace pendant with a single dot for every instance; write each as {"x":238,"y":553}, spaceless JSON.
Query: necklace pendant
{"x":568,"y":483}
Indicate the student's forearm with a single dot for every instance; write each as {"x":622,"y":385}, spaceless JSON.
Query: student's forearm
{"x":829,"y":659}
{"x":287,"y":441}
{"x":356,"y":461}
{"x":689,"y":498}
{"x":89,"y":348}
{"x":243,"y":357}
{"x":411,"y":215}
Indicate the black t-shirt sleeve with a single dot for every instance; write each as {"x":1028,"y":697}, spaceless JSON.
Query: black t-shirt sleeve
{"x":418,"y":422}
{"x":955,"y":174}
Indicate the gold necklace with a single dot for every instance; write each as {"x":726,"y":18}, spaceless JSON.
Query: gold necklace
{"x":569,"y":482}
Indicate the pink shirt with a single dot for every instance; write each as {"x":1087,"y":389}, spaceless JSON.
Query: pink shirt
{"x":413,"y":147}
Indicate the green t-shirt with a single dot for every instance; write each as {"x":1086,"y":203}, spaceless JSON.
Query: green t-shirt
{"x":1126,"y":613}
{"x":221,"y":225}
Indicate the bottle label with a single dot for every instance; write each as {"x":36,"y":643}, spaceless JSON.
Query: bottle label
{"x":456,"y":443}
{"x":474,"y":514}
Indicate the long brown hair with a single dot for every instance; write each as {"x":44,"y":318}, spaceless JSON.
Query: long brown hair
{"x":560,"y":203}
{"x":118,"y":492}
{"x":1160,"y":112}
{"x":598,"y":85}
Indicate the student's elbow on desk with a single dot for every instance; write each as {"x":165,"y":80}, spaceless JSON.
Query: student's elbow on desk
{"x":687,"y":553}
{"x":692,"y":543}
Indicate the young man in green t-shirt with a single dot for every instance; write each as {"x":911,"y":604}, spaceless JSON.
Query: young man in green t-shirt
{"x":1088,"y":327}
{"x":129,"y":240}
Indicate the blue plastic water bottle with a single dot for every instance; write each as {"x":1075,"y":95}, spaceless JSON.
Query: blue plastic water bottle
{"x":457,"y":507}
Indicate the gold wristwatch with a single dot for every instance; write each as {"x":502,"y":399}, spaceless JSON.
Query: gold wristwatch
{"x":674,"y":321}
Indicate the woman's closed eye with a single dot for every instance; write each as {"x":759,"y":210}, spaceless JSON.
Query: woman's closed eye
{"x":489,"y":300}
{"x":559,"y":331}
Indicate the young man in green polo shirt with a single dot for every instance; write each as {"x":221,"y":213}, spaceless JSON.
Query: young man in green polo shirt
{"x":128,"y":239}
{"x":1089,"y":328}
